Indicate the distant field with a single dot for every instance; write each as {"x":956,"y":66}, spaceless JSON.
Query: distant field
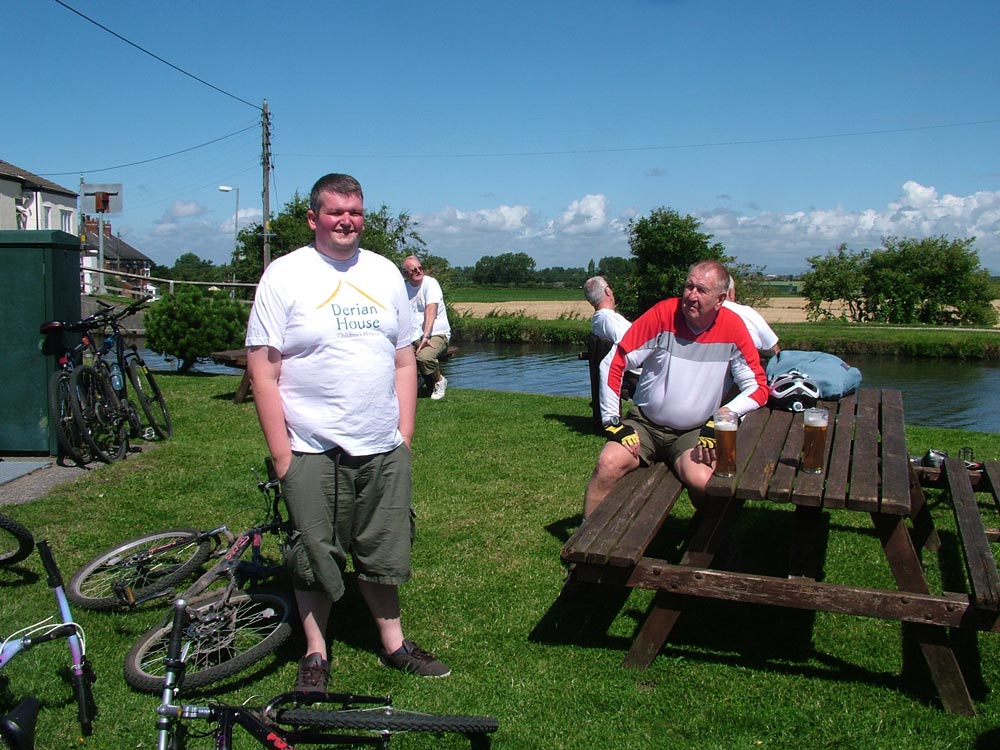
{"x":511,"y":294}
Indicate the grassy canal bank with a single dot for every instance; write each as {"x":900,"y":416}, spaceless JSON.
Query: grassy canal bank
{"x":498,"y":480}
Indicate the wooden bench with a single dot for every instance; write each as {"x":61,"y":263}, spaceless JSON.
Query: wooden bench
{"x":980,"y":564}
{"x":609,"y":544}
{"x":597,"y":350}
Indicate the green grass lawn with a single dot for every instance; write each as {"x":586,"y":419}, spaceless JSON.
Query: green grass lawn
{"x":498,"y":483}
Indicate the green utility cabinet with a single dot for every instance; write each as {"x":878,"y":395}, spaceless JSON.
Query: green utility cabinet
{"x":39,"y":282}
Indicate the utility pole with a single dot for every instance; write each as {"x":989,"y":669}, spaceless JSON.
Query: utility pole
{"x":265,"y":126}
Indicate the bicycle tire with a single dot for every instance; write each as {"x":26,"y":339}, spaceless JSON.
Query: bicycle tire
{"x":245,"y":629}
{"x":97,"y":411}
{"x":68,"y":434}
{"x":149,"y":396}
{"x":93,"y":585}
{"x":17,"y":541}
{"x":385,"y":719}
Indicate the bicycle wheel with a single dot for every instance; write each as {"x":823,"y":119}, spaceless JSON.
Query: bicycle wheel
{"x":61,"y":418}
{"x":16,"y":542}
{"x":147,"y":564}
{"x":386,"y":719}
{"x":225,"y":635}
{"x":97,"y":412}
{"x":150,"y":399}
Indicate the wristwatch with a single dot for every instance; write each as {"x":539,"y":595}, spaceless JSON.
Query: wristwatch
{"x":613,"y":422}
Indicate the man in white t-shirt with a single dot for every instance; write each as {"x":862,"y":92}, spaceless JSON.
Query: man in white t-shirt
{"x":334,"y":383}
{"x":765,"y":339}
{"x":431,"y":330}
{"x":607,"y":323}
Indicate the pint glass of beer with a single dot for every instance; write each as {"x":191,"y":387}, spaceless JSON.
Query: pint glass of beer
{"x":815,"y":421}
{"x":726,"y":423}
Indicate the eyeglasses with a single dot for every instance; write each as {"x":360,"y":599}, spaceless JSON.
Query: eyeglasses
{"x":415,"y":269}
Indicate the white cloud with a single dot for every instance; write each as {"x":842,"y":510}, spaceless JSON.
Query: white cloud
{"x":589,"y":215}
{"x":783,"y":241}
{"x":589,"y":228}
{"x":185,"y":209}
{"x":187,"y":227}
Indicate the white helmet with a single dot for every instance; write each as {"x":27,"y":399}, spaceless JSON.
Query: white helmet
{"x":793,"y":391}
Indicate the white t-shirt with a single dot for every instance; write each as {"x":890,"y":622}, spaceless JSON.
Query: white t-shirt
{"x":337,"y":325}
{"x":763,"y":337}
{"x":428,"y":293}
{"x":609,"y":325}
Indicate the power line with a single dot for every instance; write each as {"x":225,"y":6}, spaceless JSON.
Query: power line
{"x":156,"y":57}
{"x":627,"y":149}
{"x":147,"y":161}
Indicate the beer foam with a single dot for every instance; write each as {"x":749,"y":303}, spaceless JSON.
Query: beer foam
{"x":812,"y":419}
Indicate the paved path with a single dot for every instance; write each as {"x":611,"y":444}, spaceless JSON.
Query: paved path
{"x":40,"y":482}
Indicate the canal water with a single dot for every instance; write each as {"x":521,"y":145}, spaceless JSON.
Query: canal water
{"x":936,"y":393}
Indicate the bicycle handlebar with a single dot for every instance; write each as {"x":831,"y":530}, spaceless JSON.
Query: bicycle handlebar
{"x":49,"y":563}
{"x":176,"y":634}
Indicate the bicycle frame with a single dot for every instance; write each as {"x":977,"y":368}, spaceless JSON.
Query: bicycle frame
{"x":20,"y":728}
{"x":230,"y":566}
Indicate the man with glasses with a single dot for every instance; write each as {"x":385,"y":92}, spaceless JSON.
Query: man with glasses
{"x":431,"y":328}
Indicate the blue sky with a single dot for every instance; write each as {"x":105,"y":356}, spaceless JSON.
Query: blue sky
{"x":786,"y":127}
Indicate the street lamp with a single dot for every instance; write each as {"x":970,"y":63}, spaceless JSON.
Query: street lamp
{"x":236,"y":226}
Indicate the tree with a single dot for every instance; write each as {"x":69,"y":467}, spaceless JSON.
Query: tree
{"x":191,"y":324}
{"x":935,"y":281}
{"x":615,"y":269}
{"x":189,"y":267}
{"x":509,"y":269}
{"x":289,"y":231}
{"x":664,"y":246}
{"x":395,"y":237}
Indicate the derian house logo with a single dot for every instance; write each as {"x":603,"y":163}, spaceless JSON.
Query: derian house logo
{"x":354,"y":317}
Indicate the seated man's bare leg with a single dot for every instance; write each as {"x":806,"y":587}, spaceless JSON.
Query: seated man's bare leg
{"x":694,"y":474}
{"x":614,"y":462}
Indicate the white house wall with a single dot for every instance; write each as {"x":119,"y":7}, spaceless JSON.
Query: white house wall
{"x":9,"y":192}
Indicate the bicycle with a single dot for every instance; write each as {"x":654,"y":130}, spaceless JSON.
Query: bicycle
{"x":69,"y":432}
{"x":99,"y":392}
{"x":16,"y":541}
{"x":293,"y":719}
{"x":17,"y":728}
{"x":126,"y":361}
{"x":228,"y":630}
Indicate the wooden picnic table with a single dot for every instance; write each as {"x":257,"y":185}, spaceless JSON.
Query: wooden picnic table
{"x":867,"y":470}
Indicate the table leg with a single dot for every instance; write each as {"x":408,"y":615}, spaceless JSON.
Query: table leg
{"x":925,"y":536}
{"x":809,"y":541}
{"x":712,"y":526}
{"x":933,"y":640}
{"x":243,"y":389}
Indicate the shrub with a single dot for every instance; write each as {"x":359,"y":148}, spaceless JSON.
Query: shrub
{"x":191,"y":324}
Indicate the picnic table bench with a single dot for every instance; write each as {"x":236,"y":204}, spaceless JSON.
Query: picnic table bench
{"x":867,"y":470}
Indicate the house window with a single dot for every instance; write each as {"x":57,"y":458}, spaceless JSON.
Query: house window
{"x":66,"y":221}
{"x":47,"y":214}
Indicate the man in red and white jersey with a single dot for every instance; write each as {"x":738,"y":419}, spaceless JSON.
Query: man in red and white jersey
{"x":686,"y":347}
